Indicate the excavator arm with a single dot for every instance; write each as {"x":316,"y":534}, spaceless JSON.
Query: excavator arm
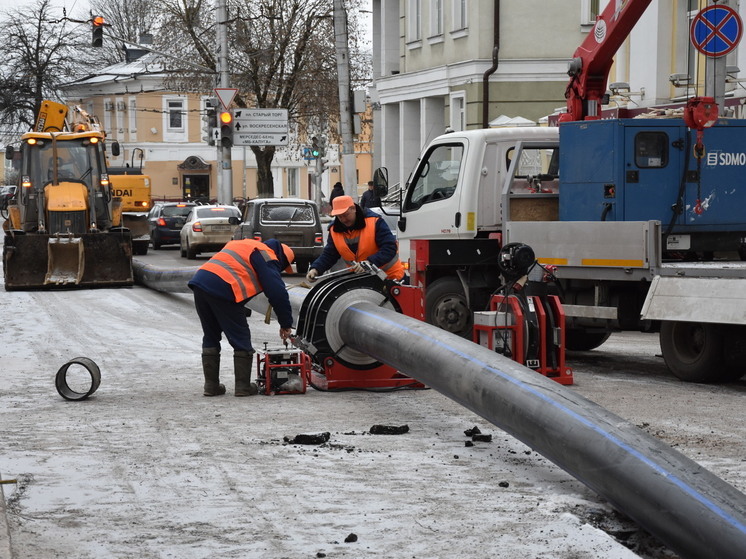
{"x":591,"y":63}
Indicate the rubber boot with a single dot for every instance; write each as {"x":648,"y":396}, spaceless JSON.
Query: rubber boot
{"x":211,"y":368}
{"x":242,"y":368}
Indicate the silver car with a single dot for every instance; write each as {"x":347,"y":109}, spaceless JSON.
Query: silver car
{"x":208,"y":229}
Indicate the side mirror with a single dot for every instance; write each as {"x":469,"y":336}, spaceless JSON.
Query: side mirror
{"x":402,"y":224}
{"x":233,"y":220}
{"x":115,"y":149}
{"x":381,"y":181}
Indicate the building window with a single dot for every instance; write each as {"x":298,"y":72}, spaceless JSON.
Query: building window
{"x":436,"y":17}
{"x":175,"y":115}
{"x":589,"y":10}
{"x":132,"y":117}
{"x":459,"y":15}
{"x":175,"y":119}
{"x":293,"y":183}
{"x":414,"y":20}
{"x":458,"y":111}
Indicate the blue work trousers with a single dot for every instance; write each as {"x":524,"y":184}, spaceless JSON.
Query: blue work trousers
{"x":219,"y":316}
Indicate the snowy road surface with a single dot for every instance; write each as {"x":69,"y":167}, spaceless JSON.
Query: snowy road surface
{"x":149,"y":468}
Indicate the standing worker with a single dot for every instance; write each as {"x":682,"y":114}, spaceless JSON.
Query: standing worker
{"x":370,"y":199}
{"x":338,"y":190}
{"x":221,"y":288}
{"x":356,"y":235}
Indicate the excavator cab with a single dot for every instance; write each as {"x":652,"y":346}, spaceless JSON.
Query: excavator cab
{"x":65,"y":229}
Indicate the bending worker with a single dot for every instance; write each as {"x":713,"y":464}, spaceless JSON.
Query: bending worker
{"x":356,"y":235}
{"x":221,"y":288}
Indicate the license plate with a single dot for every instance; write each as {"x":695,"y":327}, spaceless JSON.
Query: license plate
{"x":221,"y":228}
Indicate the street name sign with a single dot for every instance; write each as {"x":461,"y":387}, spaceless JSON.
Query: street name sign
{"x":260,"y":127}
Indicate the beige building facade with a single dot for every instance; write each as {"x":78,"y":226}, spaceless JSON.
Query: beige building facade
{"x":167,"y":130}
{"x":436,"y":65}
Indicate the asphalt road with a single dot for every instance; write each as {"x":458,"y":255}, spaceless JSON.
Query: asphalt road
{"x":150,"y":468}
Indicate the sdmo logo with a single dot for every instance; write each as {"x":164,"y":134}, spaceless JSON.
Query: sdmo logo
{"x":724,"y":159}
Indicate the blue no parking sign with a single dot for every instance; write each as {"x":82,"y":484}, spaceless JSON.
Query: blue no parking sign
{"x":716,"y":30}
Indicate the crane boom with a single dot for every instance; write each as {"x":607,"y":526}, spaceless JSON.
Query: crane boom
{"x":591,"y":63}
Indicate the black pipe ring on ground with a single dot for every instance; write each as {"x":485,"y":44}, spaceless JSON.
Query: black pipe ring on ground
{"x":68,"y":393}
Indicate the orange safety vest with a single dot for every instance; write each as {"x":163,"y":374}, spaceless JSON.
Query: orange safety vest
{"x":233,"y":266}
{"x":366,"y":239}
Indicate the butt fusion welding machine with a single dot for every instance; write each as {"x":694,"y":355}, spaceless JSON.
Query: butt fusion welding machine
{"x":525,"y":322}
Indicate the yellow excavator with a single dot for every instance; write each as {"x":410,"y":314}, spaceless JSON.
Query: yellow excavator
{"x":64,"y":224}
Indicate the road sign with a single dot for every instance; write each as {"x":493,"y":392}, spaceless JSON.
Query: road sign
{"x":226,"y":95}
{"x":260,"y":127}
{"x":716,"y":30}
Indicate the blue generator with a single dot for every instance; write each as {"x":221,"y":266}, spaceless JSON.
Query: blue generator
{"x":649,"y":169}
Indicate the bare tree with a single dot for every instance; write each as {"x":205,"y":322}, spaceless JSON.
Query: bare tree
{"x":127,"y":22}
{"x":281,"y":56}
{"x":41,"y":49}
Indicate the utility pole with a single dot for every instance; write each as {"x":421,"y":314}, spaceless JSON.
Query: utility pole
{"x":224,"y":159}
{"x":341,"y":47}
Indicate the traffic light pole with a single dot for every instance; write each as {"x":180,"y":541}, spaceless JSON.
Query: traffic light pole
{"x":349,"y":163}
{"x":224,"y":160}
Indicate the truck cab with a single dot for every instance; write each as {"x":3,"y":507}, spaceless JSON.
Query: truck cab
{"x":441,"y":201}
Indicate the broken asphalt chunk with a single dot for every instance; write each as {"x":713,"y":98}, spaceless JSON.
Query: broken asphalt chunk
{"x":389,"y":429}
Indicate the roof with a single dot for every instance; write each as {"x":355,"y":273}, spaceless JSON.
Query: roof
{"x":146,"y":65}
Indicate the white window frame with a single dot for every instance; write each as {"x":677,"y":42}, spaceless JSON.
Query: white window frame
{"x":460,"y":20}
{"x":457,"y":104}
{"x":293,"y":182}
{"x":132,"y":119}
{"x":436,"y":18}
{"x":414,"y":21}
{"x":120,"y":109}
{"x":589,"y":11}
{"x":175,"y":133}
{"x":107,"y":116}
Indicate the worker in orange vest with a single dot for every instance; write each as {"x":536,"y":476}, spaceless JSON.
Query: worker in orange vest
{"x":222,"y":287}
{"x":355,"y":235}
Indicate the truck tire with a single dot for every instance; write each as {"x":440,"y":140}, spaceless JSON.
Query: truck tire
{"x":446,"y":307}
{"x":577,"y":339}
{"x":693,"y":351}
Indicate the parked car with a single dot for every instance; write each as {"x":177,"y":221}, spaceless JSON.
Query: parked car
{"x":166,"y":220}
{"x":208,"y":229}
{"x":292,"y":221}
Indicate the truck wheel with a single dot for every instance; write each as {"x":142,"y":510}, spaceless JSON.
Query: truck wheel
{"x":301,"y":266}
{"x":693,"y":351}
{"x":581,"y":340}
{"x":446,"y":307}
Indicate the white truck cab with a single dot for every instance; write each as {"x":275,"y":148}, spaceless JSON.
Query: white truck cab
{"x":440,"y":200}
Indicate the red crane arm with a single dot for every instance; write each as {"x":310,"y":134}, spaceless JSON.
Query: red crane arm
{"x":589,"y":68}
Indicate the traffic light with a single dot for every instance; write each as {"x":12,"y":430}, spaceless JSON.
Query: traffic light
{"x":226,"y":129}
{"x":315,"y":151}
{"x":97,"y":26}
{"x":210,"y":120}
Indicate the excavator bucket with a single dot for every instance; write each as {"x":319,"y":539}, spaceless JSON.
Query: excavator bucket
{"x":38,"y":261}
{"x":65,"y":261}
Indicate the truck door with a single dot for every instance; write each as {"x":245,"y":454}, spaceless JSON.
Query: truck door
{"x":652,"y":173}
{"x":431,"y":204}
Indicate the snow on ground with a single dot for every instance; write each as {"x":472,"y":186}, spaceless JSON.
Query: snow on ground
{"x":149,"y":468}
